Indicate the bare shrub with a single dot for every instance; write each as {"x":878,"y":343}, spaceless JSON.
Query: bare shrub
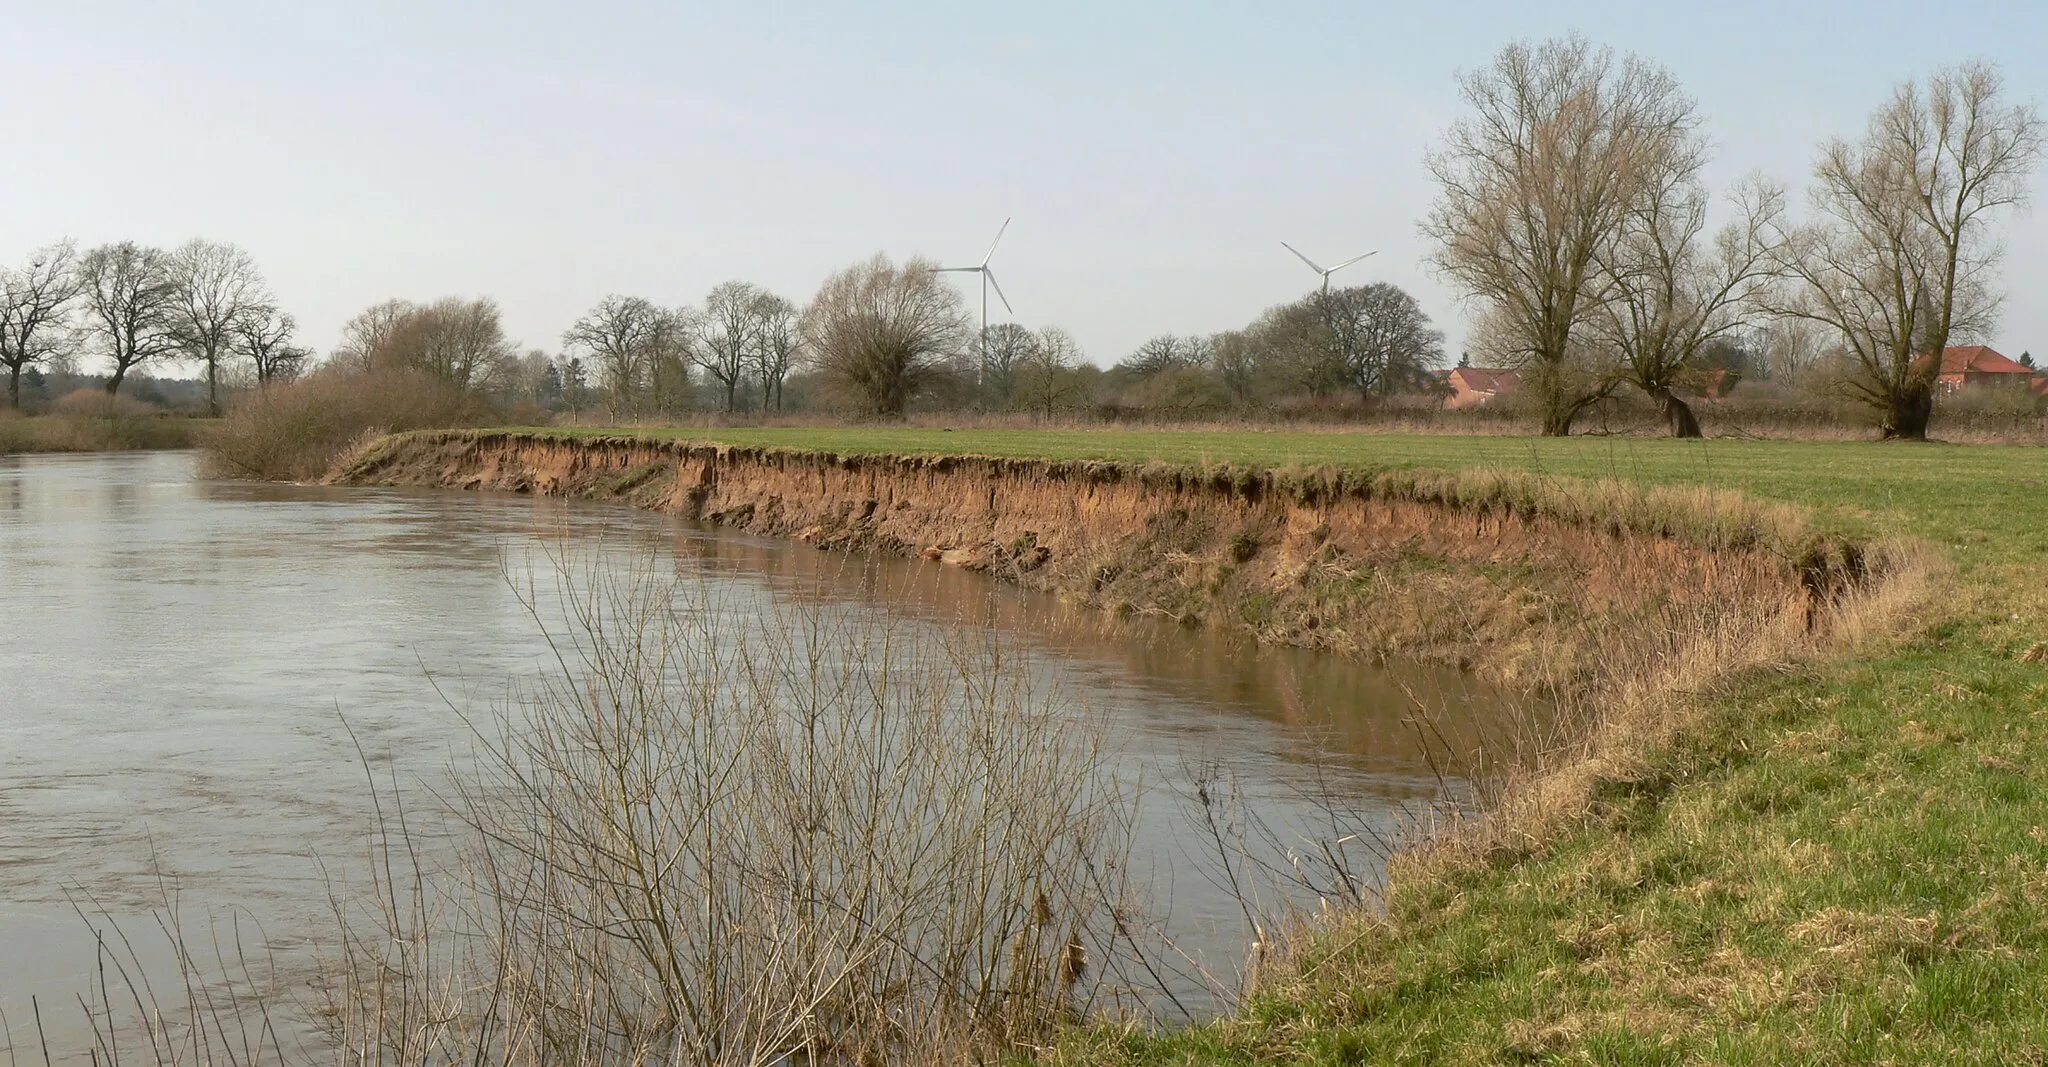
{"x":816,"y":837}
{"x":94,"y":404}
{"x":293,"y":432}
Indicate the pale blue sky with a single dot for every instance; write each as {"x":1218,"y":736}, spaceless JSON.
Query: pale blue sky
{"x":1153,"y":155}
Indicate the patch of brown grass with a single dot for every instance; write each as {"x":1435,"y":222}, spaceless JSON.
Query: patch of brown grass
{"x":88,"y":420}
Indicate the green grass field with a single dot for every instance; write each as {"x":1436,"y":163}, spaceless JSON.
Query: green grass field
{"x":1849,"y":863}
{"x":1990,"y":500}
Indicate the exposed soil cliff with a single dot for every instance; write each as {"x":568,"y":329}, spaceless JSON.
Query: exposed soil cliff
{"x":1530,"y":580}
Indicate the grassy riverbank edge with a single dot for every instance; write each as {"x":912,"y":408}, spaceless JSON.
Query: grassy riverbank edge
{"x":1566,"y":586}
{"x":1834,"y":860}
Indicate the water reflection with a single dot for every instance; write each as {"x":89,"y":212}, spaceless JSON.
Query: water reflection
{"x":1327,"y":707}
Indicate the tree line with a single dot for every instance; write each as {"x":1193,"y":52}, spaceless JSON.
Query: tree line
{"x":203,"y":303}
{"x":879,"y":334}
{"x":1572,"y":211}
{"x":1363,"y":344}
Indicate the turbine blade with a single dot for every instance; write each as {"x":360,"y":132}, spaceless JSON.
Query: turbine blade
{"x":992,"y":244}
{"x":955,"y":270}
{"x":1354,"y":259}
{"x":1297,"y":254}
{"x":991,"y":276}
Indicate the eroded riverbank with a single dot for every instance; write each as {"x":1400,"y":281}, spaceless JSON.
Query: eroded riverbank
{"x":1533,"y":582}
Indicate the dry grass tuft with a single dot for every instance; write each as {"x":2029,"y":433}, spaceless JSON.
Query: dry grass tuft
{"x":1843,"y":932}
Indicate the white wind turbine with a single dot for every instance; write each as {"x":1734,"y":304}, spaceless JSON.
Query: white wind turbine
{"x":988,"y":278}
{"x":1325,"y":271}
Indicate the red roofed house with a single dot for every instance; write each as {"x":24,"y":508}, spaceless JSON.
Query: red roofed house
{"x":1473,"y":387}
{"x":1716,"y":384}
{"x":1977,"y":366}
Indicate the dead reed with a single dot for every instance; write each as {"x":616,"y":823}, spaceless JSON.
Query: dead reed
{"x":815,"y":836}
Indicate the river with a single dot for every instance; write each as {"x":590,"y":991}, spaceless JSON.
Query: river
{"x":182,"y":661}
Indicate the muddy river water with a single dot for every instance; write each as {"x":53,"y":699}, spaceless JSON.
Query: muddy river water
{"x":178,"y":656}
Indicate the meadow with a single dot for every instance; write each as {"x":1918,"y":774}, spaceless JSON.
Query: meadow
{"x":1839,"y":861}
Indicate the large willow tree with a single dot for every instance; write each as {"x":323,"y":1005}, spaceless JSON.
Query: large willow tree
{"x":1899,"y":260}
{"x":1563,"y":145}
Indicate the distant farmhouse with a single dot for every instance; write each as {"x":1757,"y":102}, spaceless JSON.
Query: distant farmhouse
{"x":1477,"y":387}
{"x":1964,"y":369}
{"x":1474,"y":387}
{"x":1977,"y":367}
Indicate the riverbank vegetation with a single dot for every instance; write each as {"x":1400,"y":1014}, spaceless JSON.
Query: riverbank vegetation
{"x":705,"y":834}
{"x":819,"y":834}
{"x":1790,"y":858}
{"x":295,"y":433}
{"x":91,"y":421}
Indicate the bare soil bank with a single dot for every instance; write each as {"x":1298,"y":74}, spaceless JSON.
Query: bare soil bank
{"x":1544,"y":582}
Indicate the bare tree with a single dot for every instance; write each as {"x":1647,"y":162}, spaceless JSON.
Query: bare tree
{"x":1672,"y":294}
{"x":1167,"y":352}
{"x":1004,"y":350}
{"x":726,"y":337}
{"x":882,"y":330}
{"x":1043,"y":376}
{"x":1538,"y":182}
{"x":670,"y":353}
{"x":369,"y":332}
{"x":777,"y":342}
{"x":531,"y":379}
{"x":1788,"y":347}
{"x":263,"y":335}
{"x":217,"y":285}
{"x":1383,"y":339}
{"x":1294,"y":345}
{"x":1235,"y":358}
{"x":459,"y":341}
{"x":131,"y":303}
{"x":35,"y":306}
{"x":619,"y":334}
{"x":1899,"y":263}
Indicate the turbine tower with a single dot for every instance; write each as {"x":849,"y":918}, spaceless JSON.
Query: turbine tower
{"x":988,"y":278}
{"x":1325,"y":271}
